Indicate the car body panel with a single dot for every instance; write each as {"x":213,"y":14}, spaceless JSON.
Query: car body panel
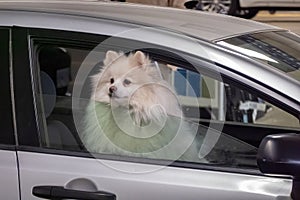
{"x":9,"y":175}
{"x":211,"y":26}
{"x":131,"y":180}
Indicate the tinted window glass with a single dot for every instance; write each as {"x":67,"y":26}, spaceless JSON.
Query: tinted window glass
{"x":6,"y":125}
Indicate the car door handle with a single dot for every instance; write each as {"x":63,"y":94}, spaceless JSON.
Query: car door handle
{"x":59,"y":192}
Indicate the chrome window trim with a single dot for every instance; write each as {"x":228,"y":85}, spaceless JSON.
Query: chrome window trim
{"x":12,"y":90}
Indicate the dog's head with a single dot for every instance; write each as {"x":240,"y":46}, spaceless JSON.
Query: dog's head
{"x":123,"y":75}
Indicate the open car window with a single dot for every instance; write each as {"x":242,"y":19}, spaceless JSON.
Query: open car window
{"x":158,"y":108}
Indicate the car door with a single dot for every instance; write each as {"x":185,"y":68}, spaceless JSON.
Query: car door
{"x":8,"y":159}
{"x":53,"y":88}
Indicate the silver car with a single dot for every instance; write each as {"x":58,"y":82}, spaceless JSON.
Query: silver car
{"x":237,"y":83}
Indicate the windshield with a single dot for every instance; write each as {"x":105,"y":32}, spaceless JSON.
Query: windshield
{"x":280,"y":50}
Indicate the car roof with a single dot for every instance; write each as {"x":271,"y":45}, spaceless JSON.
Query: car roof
{"x":197,"y":24}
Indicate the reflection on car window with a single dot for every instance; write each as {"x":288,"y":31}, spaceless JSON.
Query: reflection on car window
{"x":242,"y":106}
{"x":237,"y":105}
{"x":267,"y":47}
{"x":130,"y":104}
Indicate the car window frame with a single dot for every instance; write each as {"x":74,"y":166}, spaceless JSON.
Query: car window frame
{"x":8,"y":140}
{"x":48,"y":36}
{"x":26,"y":126}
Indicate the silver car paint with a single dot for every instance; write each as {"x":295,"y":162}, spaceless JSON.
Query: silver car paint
{"x":9,"y":175}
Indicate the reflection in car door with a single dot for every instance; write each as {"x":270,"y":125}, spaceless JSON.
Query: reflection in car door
{"x":8,"y":160}
{"x":57,"y":173}
{"x":132,"y":180}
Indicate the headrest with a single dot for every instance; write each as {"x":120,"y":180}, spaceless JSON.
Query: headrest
{"x":54,"y":58}
{"x":49,"y":93}
{"x":56,"y":61}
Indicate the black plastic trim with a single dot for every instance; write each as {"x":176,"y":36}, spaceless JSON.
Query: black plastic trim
{"x":7,"y":147}
{"x":25,"y":114}
{"x":59,"y":192}
{"x":6,"y":110}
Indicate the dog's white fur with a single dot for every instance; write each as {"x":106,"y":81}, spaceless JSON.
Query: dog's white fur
{"x":148,"y":98}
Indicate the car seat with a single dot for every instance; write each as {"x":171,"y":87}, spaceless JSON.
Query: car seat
{"x":59,"y":136}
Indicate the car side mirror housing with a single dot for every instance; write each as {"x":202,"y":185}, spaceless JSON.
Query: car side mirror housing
{"x":280,"y":155}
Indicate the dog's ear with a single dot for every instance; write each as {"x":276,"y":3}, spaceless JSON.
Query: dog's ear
{"x":110,"y":57}
{"x":140,"y":58}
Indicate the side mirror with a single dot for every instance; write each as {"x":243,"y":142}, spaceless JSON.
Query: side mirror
{"x":280,"y":154}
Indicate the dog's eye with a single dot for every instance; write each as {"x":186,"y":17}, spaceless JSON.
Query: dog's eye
{"x":126,"y":82}
{"x":112,"y":80}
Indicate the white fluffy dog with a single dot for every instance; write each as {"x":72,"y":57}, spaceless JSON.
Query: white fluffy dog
{"x":135,"y":112}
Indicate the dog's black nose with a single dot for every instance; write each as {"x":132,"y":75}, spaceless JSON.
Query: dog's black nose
{"x":112,"y":89}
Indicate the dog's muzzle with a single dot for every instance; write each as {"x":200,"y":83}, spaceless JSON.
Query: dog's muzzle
{"x":112,"y":89}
